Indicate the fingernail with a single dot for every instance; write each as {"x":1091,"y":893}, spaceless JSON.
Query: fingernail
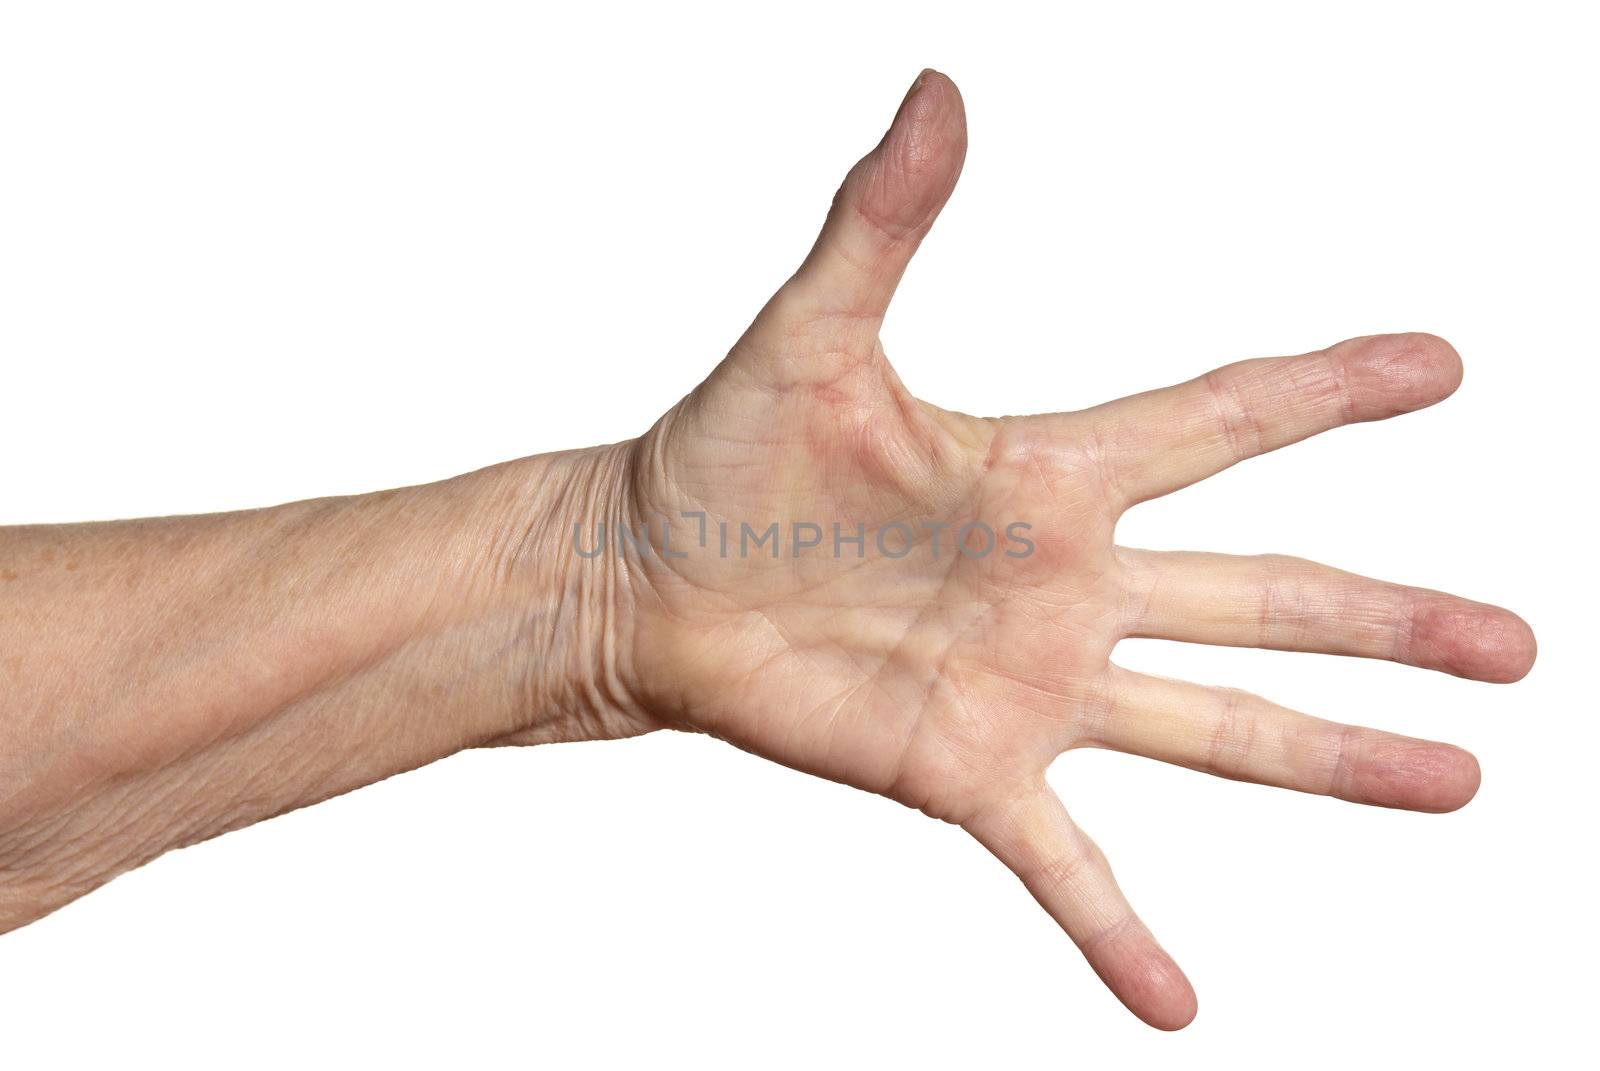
{"x":921,"y":78}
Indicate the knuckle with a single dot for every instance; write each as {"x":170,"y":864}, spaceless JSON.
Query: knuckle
{"x":1233,"y":733}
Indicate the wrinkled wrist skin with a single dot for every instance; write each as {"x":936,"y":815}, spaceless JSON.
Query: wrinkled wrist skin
{"x":281,"y":656}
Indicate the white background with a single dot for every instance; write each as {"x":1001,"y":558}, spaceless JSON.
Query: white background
{"x":253,"y":253}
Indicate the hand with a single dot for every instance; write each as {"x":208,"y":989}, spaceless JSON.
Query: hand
{"x":949,"y":679}
{"x":931,"y":618}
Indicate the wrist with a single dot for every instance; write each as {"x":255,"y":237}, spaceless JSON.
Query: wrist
{"x":562,"y":618}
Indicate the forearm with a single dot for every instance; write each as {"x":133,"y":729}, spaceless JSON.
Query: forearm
{"x":165,"y":680}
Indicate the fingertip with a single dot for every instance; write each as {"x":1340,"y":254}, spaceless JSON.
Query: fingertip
{"x":1393,"y":374}
{"x":1176,"y":1007}
{"x":1510,"y":647}
{"x":1417,"y":775}
{"x":1469,"y":779}
{"x":911,"y":174}
{"x":1441,"y":361}
{"x":1472,"y":640}
{"x":1455,"y":781}
{"x":1147,"y":980}
{"x":936,"y":97}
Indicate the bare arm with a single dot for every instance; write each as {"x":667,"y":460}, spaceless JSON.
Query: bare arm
{"x":166,"y":680}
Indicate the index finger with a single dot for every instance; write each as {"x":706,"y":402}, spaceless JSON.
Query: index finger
{"x":1157,"y":442}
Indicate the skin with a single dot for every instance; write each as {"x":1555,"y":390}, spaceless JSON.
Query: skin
{"x":164,"y":681}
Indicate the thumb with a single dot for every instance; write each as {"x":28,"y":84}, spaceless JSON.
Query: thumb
{"x":888,"y":202}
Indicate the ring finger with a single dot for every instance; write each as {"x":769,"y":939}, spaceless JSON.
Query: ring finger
{"x":1234,"y":734}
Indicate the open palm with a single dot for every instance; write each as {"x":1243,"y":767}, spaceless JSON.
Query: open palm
{"x":933,"y":616}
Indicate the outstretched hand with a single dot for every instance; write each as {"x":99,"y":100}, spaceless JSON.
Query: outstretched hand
{"x":933,"y":617}
{"x":800,"y":558}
